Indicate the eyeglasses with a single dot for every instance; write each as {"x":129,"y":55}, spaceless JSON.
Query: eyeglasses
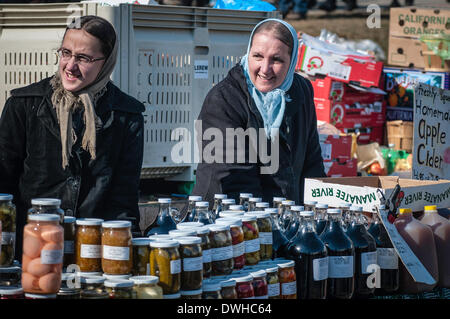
{"x":65,"y":54}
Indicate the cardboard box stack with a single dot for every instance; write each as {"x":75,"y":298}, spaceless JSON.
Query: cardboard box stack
{"x":337,"y":155}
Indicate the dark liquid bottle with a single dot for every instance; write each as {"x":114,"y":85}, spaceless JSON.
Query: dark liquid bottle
{"x":164,"y":221}
{"x":279,"y":240}
{"x":292,"y":229}
{"x":217,"y":207}
{"x":341,"y":254}
{"x":311,"y":261}
{"x":365,"y":253}
{"x":387,"y":258}
{"x":191,"y":208}
{"x":320,"y":217}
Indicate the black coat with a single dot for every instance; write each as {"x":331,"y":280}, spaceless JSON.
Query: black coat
{"x":229,"y":105}
{"x":30,"y":156}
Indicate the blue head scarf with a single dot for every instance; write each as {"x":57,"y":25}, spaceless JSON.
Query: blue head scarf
{"x":271,"y":105}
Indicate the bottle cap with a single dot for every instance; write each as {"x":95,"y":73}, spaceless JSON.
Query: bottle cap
{"x":356,"y":208}
{"x":310,"y":202}
{"x":255,"y":199}
{"x":320,"y":205}
{"x":46,"y":201}
{"x":271,"y":210}
{"x":141,"y":241}
{"x":164,"y":200}
{"x":164,"y":244}
{"x":297,"y":208}
{"x":202,"y":204}
{"x":229,"y":221}
{"x":228,"y":201}
{"x":220,"y":196}
{"x":195,"y":198}
{"x":307,"y":213}
{"x":182,"y":232}
{"x":245,"y":195}
{"x":142,"y":280}
{"x":185,"y":225}
{"x":231,"y":214}
{"x":116,"y":224}
{"x":262,"y":205}
{"x":334,"y":211}
{"x":405,"y":211}
{"x":188,"y":240}
{"x":430,"y":208}
{"x":118,"y":283}
{"x":215,"y":227}
{"x":279,"y":199}
{"x":89,"y":221}
{"x":288,"y":203}
{"x":236,"y":207}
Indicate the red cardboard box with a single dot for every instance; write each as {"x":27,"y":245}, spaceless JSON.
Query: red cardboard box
{"x":367,"y":134}
{"x":341,"y":169}
{"x":336,"y":147}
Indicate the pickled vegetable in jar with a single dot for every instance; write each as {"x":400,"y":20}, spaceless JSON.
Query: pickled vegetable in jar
{"x":191,"y":262}
{"x":191,"y":294}
{"x":141,"y":256}
{"x":288,"y":281}
{"x":7,"y":230}
{"x":228,"y":289}
{"x":146,"y":287}
{"x":244,"y":287}
{"x":203,"y":234}
{"x":117,"y":254}
{"x":237,"y":239}
{"x":265,"y":233}
{"x":222,"y":250}
{"x":120,"y":289}
{"x":260,"y":284}
{"x":165,"y":262}
{"x":211,"y":289}
{"x":42,"y":258}
{"x":47,"y":206}
{"x":92,"y":287}
{"x":69,"y":241}
{"x":273,"y":283}
{"x":88,"y":244}
{"x":251,"y":239}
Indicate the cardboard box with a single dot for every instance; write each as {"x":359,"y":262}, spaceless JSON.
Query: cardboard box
{"x":399,"y":114}
{"x":341,"y":168}
{"x":405,"y":52}
{"x":367,"y":134}
{"x":366,"y":191}
{"x":400,"y":133}
{"x":336,"y":147}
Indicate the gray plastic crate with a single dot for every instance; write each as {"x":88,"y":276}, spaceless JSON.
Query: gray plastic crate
{"x":159,"y":49}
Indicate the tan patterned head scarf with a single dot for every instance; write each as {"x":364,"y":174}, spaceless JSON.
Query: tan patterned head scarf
{"x":66,"y":102}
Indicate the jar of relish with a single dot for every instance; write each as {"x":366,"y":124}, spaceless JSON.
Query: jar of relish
{"x":260,"y":284}
{"x":244,"y":287}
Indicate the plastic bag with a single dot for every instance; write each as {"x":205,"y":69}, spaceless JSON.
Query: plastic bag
{"x":369,"y":154}
{"x":247,"y":5}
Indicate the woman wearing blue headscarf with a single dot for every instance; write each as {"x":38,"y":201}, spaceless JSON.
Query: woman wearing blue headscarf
{"x":263,"y":102}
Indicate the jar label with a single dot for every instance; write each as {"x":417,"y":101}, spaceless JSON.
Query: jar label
{"x":91,"y":251}
{"x":340,"y":267}
{"x":193,"y":264}
{"x":69,"y":247}
{"x":320,"y":268}
{"x":368,"y":259}
{"x":175,"y":266}
{"x":222,"y":253}
{"x":387,"y":258}
{"x":266,"y":238}
{"x":262,"y":297}
{"x":273,"y":289}
{"x":116,"y":252}
{"x":8,"y":238}
{"x":207,"y":256}
{"x":51,"y":257}
{"x":289,"y":288}
{"x":252,"y":245}
{"x":238,"y":249}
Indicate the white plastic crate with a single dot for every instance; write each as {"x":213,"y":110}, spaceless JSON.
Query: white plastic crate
{"x":159,"y":49}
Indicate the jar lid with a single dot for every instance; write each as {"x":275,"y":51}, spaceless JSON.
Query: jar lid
{"x":271,"y":210}
{"x":288,"y":202}
{"x":6,"y":196}
{"x":189,"y":240}
{"x":202,"y":230}
{"x":297,"y":208}
{"x":69,"y":219}
{"x":164,"y":200}
{"x":202,"y":204}
{"x":164,"y":244}
{"x":243,"y":278}
{"x":231,"y":214}
{"x":310,"y":202}
{"x":182,"y":232}
{"x":248,"y":217}
{"x":215,"y":227}
{"x":92,"y":279}
{"x":173,"y":296}
{"x":189,"y":225}
{"x":356,"y":208}
{"x":9,"y":270}
{"x":89,"y":221}
{"x":46,"y":201}
{"x":117,"y":277}
{"x":40,"y":296}
{"x":259,"y":213}
{"x":90,"y":274}
{"x":258,"y":273}
{"x":334,"y":211}
{"x":430,"y":208}
{"x":191,"y":292}
{"x":262,"y":205}
{"x":116,"y":224}
{"x":228,"y":201}
{"x":272,"y":269}
{"x":9,"y":290}
{"x":245,"y":195}
{"x":210,"y":285}
{"x":142,"y":280}
{"x":290,"y":263}
{"x":307,"y":213}
{"x":63,"y":291}
{"x":119,"y":283}
{"x":320,"y":205}
{"x":238,"y":208}
{"x":220,"y":196}
{"x":160,"y":237}
{"x":44,"y":217}
{"x":229,"y":221}
{"x":141,"y":241}
{"x":255,"y":199}
{"x":195,"y":198}
{"x":279,"y":199}
{"x":344,"y":205}
{"x":228,"y":283}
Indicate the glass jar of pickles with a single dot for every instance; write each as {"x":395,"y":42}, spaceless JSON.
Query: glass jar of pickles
{"x":228,"y":289}
{"x":244,"y":287}
{"x":237,"y":239}
{"x":120,"y":289}
{"x":117,"y":258}
{"x":222,"y":250}
{"x":69,"y":241}
{"x":47,"y":206}
{"x":92,"y":287}
{"x":260,"y":284}
{"x":88,"y":244}
{"x":265,"y":233}
{"x":288,"y":281}
{"x":191,"y":262}
{"x":146,"y":287}
{"x":251,"y":239}
{"x":211,"y":289}
{"x":203,"y":234}
{"x":7,"y":230}
{"x":165,"y":262}
{"x":273,"y":284}
{"x":191,"y":294}
{"x":141,"y":256}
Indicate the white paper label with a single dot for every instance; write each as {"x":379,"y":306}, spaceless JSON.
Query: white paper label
{"x":222,"y":253}
{"x":193,"y":264}
{"x":207,"y":256}
{"x":69,"y":247}
{"x":252,"y":245}
{"x":116,"y":252}
{"x":289,"y":288}
{"x":91,"y":251}
{"x":368,"y":259}
{"x":340,"y":267}
{"x":273,"y":290}
{"x":8,"y":238}
{"x":320,"y":268}
{"x":387,"y":258}
{"x":175,"y":266}
{"x":51,"y":257}
{"x":238,"y":249}
{"x":266,"y":238}
{"x":201,"y":69}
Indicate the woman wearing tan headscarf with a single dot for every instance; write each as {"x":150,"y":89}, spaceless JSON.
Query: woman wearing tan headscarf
{"x":75,"y":136}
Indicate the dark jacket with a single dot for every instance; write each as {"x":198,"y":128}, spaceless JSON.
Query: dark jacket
{"x":30,"y":156}
{"x":229,"y":105}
